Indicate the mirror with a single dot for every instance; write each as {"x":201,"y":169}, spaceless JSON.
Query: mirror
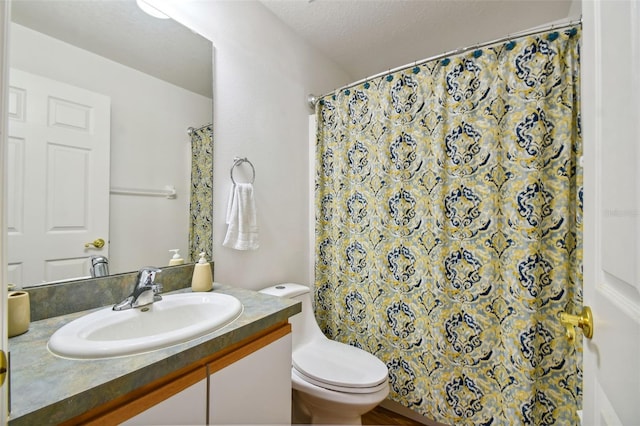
{"x":156,"y":77}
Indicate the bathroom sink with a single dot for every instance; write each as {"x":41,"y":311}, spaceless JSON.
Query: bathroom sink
{"x":177,"y":318}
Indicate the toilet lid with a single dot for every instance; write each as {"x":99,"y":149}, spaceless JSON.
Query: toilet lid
{"x":327,"y":362}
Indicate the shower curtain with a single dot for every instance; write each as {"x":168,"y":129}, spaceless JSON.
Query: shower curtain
{"x":449,"y":230}
{"x":201,"y":202}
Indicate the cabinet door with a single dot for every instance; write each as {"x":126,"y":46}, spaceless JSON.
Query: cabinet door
{"x":188,"y":407}
{"x":255,"y":389}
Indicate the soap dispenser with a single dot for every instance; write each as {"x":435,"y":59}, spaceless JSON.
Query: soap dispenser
{"x":176,"y":259}
{"x":202,"y":279}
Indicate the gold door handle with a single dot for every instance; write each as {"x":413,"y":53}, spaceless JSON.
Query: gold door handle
{"x":99,"y":243}
{"x":584,"y":320}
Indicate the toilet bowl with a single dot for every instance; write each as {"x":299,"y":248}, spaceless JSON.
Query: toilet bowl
{"x":333,"y":383}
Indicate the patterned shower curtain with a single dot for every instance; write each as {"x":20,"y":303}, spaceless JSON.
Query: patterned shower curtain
{"x":201,"y":203}
{"x":449,"y":230}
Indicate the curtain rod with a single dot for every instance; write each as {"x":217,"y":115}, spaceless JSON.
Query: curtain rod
{"x":191,"y":130}
{"x":313,"y":100}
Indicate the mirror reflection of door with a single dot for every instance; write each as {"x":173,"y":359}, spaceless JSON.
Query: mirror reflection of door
{"x":58,"y":164}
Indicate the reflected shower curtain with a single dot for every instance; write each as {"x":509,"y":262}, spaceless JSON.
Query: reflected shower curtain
{"x":449,"y":230}
{"x":201,"y":203}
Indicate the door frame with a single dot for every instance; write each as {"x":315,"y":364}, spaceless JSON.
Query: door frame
{"x":5,"y":9}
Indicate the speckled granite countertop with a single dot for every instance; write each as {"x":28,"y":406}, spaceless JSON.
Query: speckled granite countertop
{"x":46,"y":389}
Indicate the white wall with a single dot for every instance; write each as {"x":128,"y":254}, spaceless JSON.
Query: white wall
{"x":263,"y":74}
{"x":149,"y":145}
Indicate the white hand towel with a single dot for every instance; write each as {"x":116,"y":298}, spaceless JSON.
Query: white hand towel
{"x":242,"y":232}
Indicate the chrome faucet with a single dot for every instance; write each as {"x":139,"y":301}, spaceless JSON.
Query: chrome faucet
{"x":145,"y":292}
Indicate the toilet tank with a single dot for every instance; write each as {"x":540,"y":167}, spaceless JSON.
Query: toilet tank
{"x":304,"y":326}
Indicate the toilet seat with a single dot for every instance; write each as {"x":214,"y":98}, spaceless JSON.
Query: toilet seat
{"x":340,"y":367}
{"x":338,"y":389}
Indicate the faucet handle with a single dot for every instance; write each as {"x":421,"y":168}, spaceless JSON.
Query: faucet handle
{"x":99,"y":266}
{"x":147,"y":275}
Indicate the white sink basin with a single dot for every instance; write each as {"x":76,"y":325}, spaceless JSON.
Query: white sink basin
{"x":177,"y":318}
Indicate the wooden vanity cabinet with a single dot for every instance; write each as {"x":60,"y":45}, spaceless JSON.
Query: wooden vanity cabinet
{"x":246,"y":383}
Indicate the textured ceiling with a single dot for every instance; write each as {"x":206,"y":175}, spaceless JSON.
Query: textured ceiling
{"x":120,"y":31}
{"x":366,"y":37}
{"x":363,"y":37}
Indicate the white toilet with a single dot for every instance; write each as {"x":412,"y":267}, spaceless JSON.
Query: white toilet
{"x":333,"y":383}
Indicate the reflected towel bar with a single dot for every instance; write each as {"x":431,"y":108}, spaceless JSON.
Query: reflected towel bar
{"x":169,"y":192}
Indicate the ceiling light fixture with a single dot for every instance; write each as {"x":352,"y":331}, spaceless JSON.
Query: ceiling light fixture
{"x":150,"y":10}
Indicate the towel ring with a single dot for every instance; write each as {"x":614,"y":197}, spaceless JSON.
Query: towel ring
{"x":236,"y":162}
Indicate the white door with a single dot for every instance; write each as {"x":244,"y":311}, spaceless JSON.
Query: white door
{"x":611,"y":129}
{"x":58,"y":178}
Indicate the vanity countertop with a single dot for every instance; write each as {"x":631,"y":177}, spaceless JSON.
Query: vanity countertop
{"x":46,"y":389}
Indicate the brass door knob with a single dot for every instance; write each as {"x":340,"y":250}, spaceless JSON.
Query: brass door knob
{"x":99,"y":243}
{"x":584,"y":320}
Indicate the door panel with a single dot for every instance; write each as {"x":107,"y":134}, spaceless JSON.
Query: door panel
{"x":619,"y":138}
{"x":67,"y":188}
{"x":15,"y":188}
